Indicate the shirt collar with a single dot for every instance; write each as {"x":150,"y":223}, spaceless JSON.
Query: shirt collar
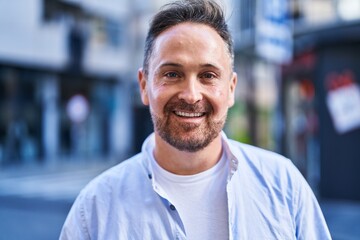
{"x":230,"y":152}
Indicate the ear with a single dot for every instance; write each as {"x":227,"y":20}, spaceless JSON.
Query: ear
{"x":232,"y":87}
{"x":142,"y":80}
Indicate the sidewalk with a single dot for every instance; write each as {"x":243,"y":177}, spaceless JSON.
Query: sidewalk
{"x":54,"y":182}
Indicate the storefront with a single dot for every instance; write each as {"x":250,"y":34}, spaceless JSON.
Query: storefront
{"x":47,"y":117}
{"x":320,"y":102}
{"x":20,"y":118}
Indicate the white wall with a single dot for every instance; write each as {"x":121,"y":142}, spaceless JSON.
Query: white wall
{"x":25,"y":40}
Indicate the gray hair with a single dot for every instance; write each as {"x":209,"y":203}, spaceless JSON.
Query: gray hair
{"x":206,"y":12}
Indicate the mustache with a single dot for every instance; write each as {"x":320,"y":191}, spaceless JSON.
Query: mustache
{"x":181,"y":105}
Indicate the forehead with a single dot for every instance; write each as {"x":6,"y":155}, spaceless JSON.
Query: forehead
{"x":190,"y":39}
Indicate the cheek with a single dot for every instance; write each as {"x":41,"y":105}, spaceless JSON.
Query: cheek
{"x":226,"y":96}
{"x":158,"y":99}
{"x":219,"y":100}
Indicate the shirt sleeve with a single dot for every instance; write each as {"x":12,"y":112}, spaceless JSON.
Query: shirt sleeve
{"x":309,"y":219}
{"x":75,"y":224}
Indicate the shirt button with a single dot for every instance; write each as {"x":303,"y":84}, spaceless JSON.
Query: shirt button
{"x":150,"y":176}
{"x":172,"y":207}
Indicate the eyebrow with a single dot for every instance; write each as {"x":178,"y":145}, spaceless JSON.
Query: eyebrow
{"x":210,"y":65}
{"x":172,"y":64}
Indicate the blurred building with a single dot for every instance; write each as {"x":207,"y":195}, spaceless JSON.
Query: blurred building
{"x":67,"y":79}
{"x":307,"y":53}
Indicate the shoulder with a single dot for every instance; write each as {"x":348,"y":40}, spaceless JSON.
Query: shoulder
{"x":117,"y":196}
{"x":259,"y":157}
{"x":267,"y":167}
{"x":125,"y":176}
{"x":265,"y":181}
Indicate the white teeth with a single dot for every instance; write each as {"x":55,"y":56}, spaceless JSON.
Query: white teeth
{"x":186,"y":114}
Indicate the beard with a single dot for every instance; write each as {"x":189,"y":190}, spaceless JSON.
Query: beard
{"x":184,"y":136}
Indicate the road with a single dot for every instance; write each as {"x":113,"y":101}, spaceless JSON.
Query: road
{"x":29,"y":219}
{"x":343,"y":218}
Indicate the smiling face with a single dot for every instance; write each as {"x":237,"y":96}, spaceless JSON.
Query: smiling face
{"x":189,"y":86}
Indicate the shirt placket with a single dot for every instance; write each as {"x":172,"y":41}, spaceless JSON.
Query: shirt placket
{"x":233,"y":168}
{"x":178,"y":226}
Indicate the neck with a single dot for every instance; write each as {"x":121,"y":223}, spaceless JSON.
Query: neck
{"x":187,"y":163}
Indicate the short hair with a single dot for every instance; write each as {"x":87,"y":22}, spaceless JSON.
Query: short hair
{"x":206,"y":12}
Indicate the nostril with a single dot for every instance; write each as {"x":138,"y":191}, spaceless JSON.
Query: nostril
{"x":190,"y":97}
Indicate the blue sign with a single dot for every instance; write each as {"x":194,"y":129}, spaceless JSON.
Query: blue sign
{"x":274,"y":31}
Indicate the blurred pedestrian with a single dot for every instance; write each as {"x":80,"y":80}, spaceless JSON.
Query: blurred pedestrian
{"x":190,"y":181}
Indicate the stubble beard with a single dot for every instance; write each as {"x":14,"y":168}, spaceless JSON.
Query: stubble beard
{"x":189,"y":137}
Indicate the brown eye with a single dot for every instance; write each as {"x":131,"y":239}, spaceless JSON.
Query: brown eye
{"x":208,"y":75}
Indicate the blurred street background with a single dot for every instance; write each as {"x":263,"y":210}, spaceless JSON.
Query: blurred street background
{"x":70,"y":105}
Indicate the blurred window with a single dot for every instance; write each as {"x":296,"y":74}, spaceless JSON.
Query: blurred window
{"x":113,"y":30}
{"x":55,"y":10}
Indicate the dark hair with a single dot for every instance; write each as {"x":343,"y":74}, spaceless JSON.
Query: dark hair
{"x":207,"y":12}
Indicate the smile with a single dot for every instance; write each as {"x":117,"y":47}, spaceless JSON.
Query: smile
{"x":189,"y":115}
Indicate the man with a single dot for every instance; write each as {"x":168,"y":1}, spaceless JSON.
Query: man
{"x":190,"y":181}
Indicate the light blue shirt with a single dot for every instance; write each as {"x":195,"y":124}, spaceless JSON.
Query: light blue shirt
{"x":267,"y":199}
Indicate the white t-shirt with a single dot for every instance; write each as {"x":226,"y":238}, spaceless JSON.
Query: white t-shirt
{"x":200,"y":199}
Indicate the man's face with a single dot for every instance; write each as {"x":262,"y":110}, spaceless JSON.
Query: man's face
{"x":190,"y":85}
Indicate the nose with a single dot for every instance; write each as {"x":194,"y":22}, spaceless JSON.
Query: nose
{"x":190,"y":92}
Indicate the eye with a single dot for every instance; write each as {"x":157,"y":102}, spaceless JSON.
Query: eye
{"x":172,"y":75}
{"x":208,"y":75}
